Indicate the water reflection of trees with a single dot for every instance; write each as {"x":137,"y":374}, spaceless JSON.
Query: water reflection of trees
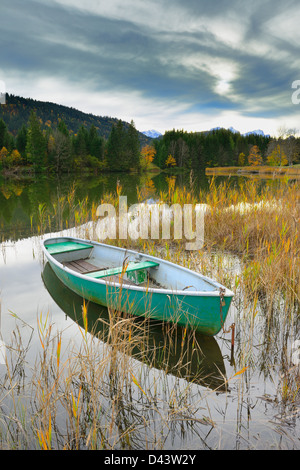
{"x":21,"y":200}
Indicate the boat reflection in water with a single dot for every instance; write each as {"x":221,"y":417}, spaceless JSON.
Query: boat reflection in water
{"x":201,"y":361}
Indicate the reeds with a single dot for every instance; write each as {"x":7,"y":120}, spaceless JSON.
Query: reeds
{"x":262,"y":170}
{"x":251,"y":223}
{"x":252,"y":246}
{"x":117,"y":388}
{"x":102,"y":393}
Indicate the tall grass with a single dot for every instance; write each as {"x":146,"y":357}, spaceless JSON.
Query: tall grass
{"x":253,"y":223}
{"x":113,"y":389}
{"x":97,"y":394}
{"x":256,"y":223}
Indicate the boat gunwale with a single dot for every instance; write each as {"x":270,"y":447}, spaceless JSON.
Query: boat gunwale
{"x":165,"y":291}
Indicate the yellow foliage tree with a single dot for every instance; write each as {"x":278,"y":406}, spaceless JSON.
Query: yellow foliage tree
{"x":8,"y":160}
{"x":3,"y":153}
{"x":254,"y":158}
{"x":171,"y":183}
{"x":170,"y":161}
{"x":4,"y":157}
{"x":15,"y":157}
{"x":241,"y":159}
{"x":277,"y":157}
{"x":148,"y":153}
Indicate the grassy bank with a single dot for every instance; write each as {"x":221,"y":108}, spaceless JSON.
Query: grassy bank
{"x":263,"y":171}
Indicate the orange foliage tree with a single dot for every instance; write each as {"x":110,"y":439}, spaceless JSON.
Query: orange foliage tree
{"x":254,"y":158}
{"x":148,"y":153}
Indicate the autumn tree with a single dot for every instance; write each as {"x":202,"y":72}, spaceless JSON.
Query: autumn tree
{"x":148,"y":153}
{"x":241,"y":159}
{"x":170,"y":161}
{"x":3,"y":157}
{"x":277,"y":157}
{"x":288,"y":142}
{"x":254,"y":157}
{"x":15,"y":157}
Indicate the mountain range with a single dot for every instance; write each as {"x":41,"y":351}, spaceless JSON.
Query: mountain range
{"x":17,"y":110}
{"x":153,"y":134}
{"x":234,"y":131}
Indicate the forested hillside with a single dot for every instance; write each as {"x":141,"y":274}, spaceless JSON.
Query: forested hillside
{"x":49,"y":137}
{"x":17,"y":111}
{"x":45,"y":137}
{"x":219,"y":147}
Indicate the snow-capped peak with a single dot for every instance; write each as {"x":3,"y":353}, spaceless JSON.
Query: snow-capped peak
{"x":233,"y":130}
{"x":152,"y":133}
{"x":256,"y":132}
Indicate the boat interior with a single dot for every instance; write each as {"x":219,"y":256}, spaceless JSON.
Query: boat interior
{"x":130,"y":268}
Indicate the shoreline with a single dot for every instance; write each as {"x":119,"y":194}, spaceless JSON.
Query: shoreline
{"x":270,"y":171}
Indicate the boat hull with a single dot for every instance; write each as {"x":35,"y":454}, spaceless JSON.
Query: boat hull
{"x":205,"y":313}
{"x":203,"y":365}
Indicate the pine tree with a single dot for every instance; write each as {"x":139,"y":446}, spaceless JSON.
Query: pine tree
{"x":61,"y":151}
{"x":95,"y":143}
{"x":3,"y":132}
{"x":116,"y":148}
{"x":36,"y":143}
{"x":62,"y":127}
{"x":22,"y":140}
{"x":81,"y":142}
{"x":132,"y":148}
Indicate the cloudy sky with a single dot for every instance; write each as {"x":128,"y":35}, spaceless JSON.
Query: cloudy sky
{"x":183,"y":64}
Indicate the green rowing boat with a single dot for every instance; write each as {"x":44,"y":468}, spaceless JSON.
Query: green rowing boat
{"x":139,"y":284}
{"x":203,"y":364}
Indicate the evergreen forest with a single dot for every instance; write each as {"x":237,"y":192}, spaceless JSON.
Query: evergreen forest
{"x":44,"y":137}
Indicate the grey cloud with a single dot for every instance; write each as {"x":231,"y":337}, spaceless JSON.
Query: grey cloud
{"x":117,"y":54}
{"x":127,"y":57}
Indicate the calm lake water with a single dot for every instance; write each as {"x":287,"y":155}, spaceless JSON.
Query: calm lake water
{"x":245,"y":413}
